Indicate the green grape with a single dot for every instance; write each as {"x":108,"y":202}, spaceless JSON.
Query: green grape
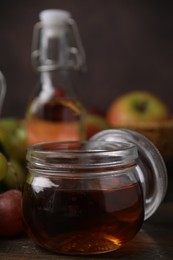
{"x":13,"y":137}
{"x":3,"y":166}
{"x":15,"y":176}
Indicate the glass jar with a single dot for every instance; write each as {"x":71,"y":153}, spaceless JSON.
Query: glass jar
{"x":89,"y":197}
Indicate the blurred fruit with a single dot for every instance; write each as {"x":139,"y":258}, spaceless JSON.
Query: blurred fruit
{"x":15,"y":175}
{"x":137,"y":106}
{"x":11,"y":223}
{"x":94,"y":123}
{"x":3,"y":140}
{"x":3,"y":166}
{"x":13,"y":137}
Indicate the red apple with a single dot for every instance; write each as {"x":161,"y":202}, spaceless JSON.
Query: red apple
{"x":137,"y":106}
{"x":94,"y":123}
{"x":11,"y":223}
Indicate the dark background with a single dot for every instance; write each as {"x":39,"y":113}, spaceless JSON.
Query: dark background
{"x":128,"y":44}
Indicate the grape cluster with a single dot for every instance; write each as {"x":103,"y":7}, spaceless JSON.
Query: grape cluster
{"x":12,"y":154}
{"x":3,"y":166}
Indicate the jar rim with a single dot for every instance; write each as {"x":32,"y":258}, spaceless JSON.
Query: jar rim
{"x":62,"y":156}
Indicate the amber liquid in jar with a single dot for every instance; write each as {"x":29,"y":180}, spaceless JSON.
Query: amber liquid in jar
{"x":82,"y":221}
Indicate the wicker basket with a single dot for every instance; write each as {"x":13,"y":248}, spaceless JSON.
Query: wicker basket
{"x":160,"y":133}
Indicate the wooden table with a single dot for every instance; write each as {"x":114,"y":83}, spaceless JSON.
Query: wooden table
{"x":154,"y":241}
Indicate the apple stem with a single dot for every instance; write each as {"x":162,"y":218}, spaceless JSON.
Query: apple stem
{"x":141,"y":106}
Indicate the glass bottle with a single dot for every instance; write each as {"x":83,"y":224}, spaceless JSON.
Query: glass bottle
{"x":2,"y":89}
{"x":57,"y":54}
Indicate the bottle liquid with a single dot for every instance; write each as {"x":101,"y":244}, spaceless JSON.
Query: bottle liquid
{"x":55,"y":113}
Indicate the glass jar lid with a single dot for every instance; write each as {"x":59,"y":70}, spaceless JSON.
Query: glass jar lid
{"x":151,"y":168}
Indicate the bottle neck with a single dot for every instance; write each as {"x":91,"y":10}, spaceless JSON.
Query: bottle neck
{"x":56,"y":42}
{"x":59,"y":82}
